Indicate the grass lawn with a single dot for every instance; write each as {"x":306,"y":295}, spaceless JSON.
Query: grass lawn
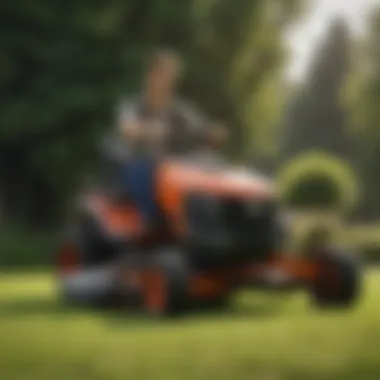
{"x":266,"y":337}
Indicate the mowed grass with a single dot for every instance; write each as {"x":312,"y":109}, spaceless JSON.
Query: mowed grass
{"x":265,"y":337}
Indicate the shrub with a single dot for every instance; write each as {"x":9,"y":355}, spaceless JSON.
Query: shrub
{"x":21,"y":247}
{"x":317,"y":180}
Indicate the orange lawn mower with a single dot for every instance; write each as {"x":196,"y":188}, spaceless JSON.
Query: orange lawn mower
{"x":220,"y":230}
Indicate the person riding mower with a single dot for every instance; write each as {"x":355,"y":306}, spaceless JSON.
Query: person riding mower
{"x":220,"y":228}
{"x":175,"y":225}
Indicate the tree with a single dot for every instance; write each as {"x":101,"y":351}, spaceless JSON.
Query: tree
{"x":236,"y":67}
{"x":65,"y":64}
{"x":367,"y":120}
{"x":317,"y":116}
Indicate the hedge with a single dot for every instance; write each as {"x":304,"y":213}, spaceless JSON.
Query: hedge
{"x":318,"y":180}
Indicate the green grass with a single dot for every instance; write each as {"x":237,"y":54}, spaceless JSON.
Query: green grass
{"x":266,"y":337}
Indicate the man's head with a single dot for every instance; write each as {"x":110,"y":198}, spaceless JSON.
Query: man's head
{"x":163,"y":70}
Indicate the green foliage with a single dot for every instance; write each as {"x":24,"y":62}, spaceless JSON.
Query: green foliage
{"x":366,"y":107}
{"x":24,"y":248}
{"x":317,"y":114}
{"x":64,"y":67}
{"x":315,"y":190}
{"x":366,"y":240}
{"x":317,"y":180}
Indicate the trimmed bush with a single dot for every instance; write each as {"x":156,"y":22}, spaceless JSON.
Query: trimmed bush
{"x":318,"y":181}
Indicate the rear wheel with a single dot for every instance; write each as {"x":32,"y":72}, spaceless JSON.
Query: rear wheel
{"x":338,"y":282}
{"x":85,"y":245}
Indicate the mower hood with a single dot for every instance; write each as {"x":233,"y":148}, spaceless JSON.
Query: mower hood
{"x":217,"y":179}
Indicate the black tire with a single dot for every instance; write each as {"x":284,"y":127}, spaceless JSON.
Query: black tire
{"x":339,"y":280}
{"x":92,"y":247}
{"x":92,"y":250}
{"x":175,"y":271}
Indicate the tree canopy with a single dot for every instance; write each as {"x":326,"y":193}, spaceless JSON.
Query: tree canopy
{"x":65,"y":64}
{"x":367,"y":109}
{"x":317,"y":115}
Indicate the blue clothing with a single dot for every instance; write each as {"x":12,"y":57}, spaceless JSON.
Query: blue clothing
{"x":138,"y":172}
{"x":138,"y":177}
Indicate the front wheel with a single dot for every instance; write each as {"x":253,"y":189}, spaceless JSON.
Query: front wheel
{"x":338,"y":282}
{"x":166,"y":283}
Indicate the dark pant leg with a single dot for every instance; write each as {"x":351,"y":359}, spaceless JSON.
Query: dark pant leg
{"x":138,"y":175}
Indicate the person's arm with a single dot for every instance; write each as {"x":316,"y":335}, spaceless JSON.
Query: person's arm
{"x":194,"y":124}
{"x":128,"y":124}
{"x":202,"y":132}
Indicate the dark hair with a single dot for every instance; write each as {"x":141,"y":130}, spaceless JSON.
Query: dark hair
{"x":160,"y":55}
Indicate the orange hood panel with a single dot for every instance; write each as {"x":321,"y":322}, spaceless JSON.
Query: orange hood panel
{"x":233,"y":182}
{"x":177,"y":179}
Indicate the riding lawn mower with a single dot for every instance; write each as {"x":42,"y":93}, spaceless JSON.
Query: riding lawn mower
{"x":221,"y":229}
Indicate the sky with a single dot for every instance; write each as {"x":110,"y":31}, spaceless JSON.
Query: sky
{"x":305,"y":36}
